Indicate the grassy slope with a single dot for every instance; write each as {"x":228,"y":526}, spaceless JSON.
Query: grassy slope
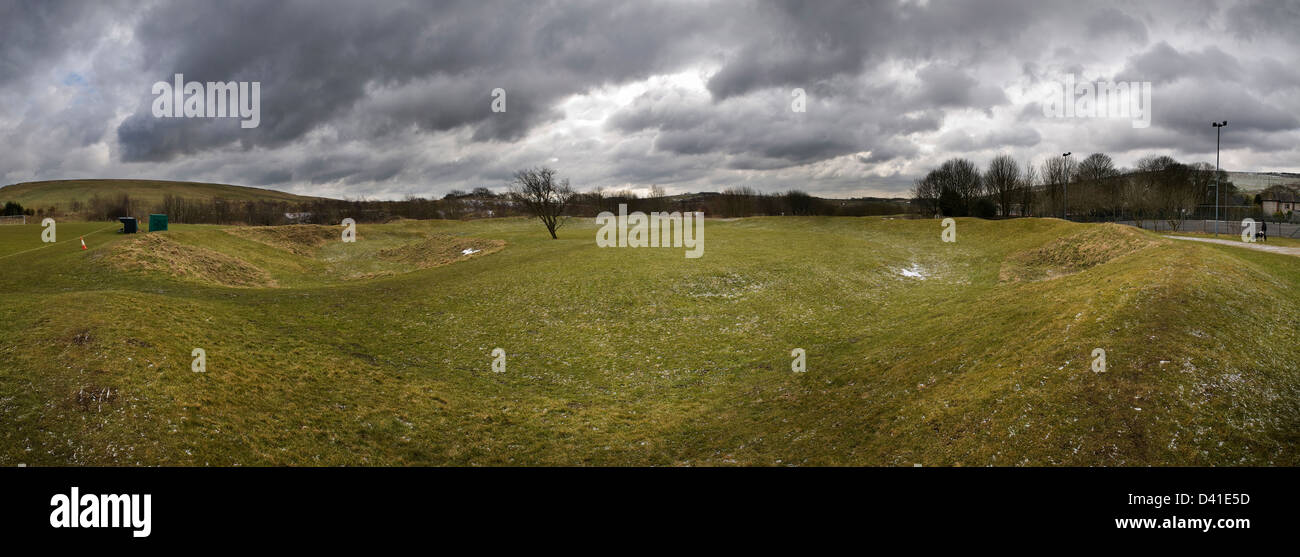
{"x":62,"y":192}
{"x":625,"y":356}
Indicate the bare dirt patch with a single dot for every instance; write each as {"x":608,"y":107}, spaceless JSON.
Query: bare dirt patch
{"x":82,"y":338}
{"x":90,"y":398}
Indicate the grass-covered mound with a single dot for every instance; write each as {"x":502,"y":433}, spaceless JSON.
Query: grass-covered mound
{"x":298,"y":239}
{"x":1075,"y":252}
{"x":290,"y":256}
{"x":159,"y":253}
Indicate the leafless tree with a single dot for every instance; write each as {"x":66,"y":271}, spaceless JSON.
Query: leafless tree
{"x":1001,"y":179}
{"x":739,"y":201}
{"x":538,"y":192}
{"x":1097,"y":173}
{"x":964,"y":178}
{"x":1056,"y":172}
{"x":1028,"y":189}
{"x":925,"y":195}
{"x":1097,"y":167}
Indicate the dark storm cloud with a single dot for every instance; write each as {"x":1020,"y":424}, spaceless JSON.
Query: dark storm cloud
{"x":951,"y":87}
{"x":35,"y":32}
{"x":1111,"y":23}
{"x":388,"y":97}
{"x":1163,"y":64}
{"x":317,"y":63}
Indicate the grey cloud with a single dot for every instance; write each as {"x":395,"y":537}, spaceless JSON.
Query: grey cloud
{"x":1247,"y":20}
{"x":1163,"y":64}
{"x":394,"y":96}
{"x":1111,"y":22}
{"x":949,"y":87}
{"x":318,"y":63}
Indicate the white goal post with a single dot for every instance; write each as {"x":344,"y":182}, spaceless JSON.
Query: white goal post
{"x":13,"y":219}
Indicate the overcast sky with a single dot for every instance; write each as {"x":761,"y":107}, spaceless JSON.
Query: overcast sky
{"x":383,"y":99}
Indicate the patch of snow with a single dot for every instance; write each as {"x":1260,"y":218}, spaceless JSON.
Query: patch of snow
{"x":914,"y":272}
{"x":469,"y":251}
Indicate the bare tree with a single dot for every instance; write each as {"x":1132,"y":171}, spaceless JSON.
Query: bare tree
{"x":1098,"y":173}
{"x":1095,"y":168}
{"x":956,"y":185}
{"x":966,"y":181}
{"x":1056,"y":171}
{"x":538,"y":192}
{"x":1001,"y":179}
{"x":1028,"y":188}
{"x":739,"y":201}
{"x":925,"y":195}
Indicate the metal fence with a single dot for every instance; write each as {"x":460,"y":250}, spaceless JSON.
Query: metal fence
{"x":1226,"y":227}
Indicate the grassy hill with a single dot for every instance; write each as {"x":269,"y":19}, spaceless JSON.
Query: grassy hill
{"x":61,"y":193}
{"x":380,"y":351}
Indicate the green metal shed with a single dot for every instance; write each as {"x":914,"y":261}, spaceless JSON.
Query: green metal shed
{"x":157,"y":223}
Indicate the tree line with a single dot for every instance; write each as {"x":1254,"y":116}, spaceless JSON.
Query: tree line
{"x":480,"y":202}
{"x":1159,"y":188}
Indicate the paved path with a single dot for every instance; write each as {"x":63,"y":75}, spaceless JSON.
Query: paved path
{"x":1258,"y":246}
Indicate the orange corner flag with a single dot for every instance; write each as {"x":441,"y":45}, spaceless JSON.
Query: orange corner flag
{"x":83,"y":242}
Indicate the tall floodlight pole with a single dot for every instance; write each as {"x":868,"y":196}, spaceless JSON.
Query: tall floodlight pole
{"x":1065,"y":199}
{"x":1218,"y":131}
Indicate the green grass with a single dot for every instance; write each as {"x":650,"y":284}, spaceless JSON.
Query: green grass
{"x":641,"y":356}
{"x":61,"y":193}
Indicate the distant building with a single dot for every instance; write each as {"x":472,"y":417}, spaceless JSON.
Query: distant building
{"x":1280,"y":199}
{"x":297,"y":217}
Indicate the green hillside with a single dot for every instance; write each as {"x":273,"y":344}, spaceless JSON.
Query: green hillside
{"x":60,"y":193}
{"x":380,"y":352}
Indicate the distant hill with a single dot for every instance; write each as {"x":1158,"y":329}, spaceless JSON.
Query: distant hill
{"x":61,"y":193}
{"x":1258,"y":181}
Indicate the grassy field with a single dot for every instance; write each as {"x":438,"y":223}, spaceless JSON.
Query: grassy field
{"x":61,"y":193}
{"x":379,"y":352}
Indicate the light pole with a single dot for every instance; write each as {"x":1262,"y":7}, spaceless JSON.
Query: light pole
{"x":1218,"y":131}
{"x":1065,"y":200}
